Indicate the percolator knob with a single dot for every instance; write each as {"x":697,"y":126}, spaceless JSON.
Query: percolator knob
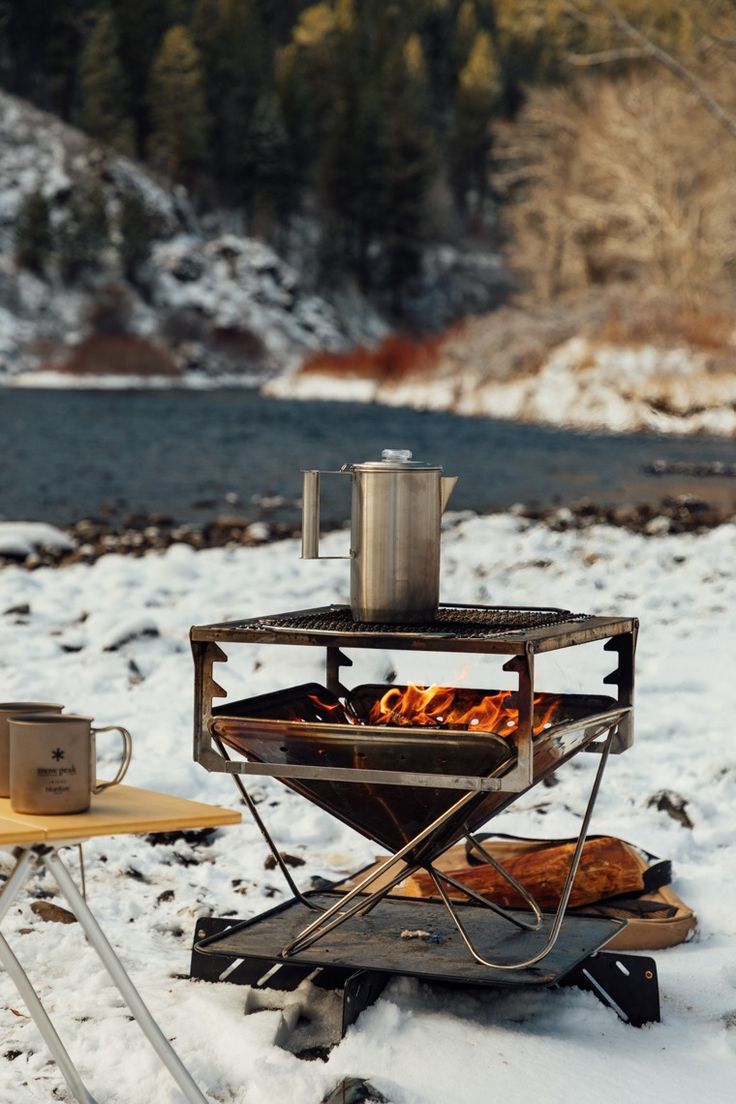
{"x":396,"y":455}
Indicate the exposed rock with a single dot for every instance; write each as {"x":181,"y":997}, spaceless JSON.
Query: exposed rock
{"x":22,"y":610}
{"x":678,"y":514}
{"x":671,"y":803}
{"x":126,"y":633}
{"x":354,"y":1090}
{"x":290,"y":860}
{"x":87,"y":540}
{"x":52,"y":913}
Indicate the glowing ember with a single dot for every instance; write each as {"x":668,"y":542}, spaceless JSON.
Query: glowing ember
{"x":445,"y":707}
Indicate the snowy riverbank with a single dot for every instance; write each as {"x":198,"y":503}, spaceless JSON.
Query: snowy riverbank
{"x":111,"y":638}
{"x":578,"y":384}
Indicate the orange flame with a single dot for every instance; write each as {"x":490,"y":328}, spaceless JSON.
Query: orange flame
{"x":446,"y":707}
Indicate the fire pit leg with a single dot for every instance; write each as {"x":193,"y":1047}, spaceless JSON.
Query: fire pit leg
{"x":316,"y":929}
{"x":488,"y":858}
{"x":332,"y":918}
{"x":260,"y":825}
{"x":438,"y":877}
{"x":498,"y":909}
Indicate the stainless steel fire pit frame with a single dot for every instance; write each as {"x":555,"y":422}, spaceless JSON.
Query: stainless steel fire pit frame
{"x":520,"y":644}
{"x":545,"y":630}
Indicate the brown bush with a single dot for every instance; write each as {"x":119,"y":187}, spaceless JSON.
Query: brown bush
{"x":395,"y":358}
{"x":620,"y":180}
{"x":516,"y":340}
{"x":662,"y":321}
{"x":119,"y":355}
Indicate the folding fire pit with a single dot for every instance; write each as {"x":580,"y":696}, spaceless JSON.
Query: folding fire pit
{"x":416,"y":772}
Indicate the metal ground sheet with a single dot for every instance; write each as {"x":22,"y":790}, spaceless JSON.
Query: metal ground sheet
{"x":375,"y":942}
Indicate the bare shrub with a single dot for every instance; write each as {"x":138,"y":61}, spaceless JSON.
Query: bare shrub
{"x":395,"y":358}
{"x":619,"y":180}
{"x":515,"y":341}
{"x":124,"y":355}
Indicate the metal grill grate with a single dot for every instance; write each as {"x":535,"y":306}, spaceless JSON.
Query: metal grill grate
{"x":460,"y":621}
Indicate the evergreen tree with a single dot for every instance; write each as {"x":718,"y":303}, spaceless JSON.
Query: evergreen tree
{"x":377,"y":160}
{"x":409,"y":166}
{"x":138,"y":227}
{"x":466,"y":30}
{"x":85,"y":234}
{"x":103,"y":112}
{"x":308,"y":81}
{"x":236,"y":53}
{"x":141,"y":27}
{"x":270,"y":175}
{"x":177,"y":142}
{"x":349,"y":168}
{"x":479,"y":89}
{"x":437,"y":30}
{"x":39,"y":46}
{"x":33,"y":238}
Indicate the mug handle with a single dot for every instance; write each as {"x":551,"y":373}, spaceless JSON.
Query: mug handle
{"x":127,"y":755}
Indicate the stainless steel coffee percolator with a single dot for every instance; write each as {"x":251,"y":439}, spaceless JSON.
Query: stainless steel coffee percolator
{"x":397,"y":506}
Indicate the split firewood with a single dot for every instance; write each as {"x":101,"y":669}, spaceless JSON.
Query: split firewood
{"x":607,"y":868}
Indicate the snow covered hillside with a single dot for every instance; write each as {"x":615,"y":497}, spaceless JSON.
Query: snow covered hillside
{"x":111,"y":639}
{"x":223,"y":304}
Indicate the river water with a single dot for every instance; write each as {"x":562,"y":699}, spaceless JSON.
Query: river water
{"x":192,"y":455}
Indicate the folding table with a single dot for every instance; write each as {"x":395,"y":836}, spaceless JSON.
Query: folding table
{"x":35,"y":841}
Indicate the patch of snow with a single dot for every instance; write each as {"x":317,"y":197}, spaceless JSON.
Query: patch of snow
{"x":21,"y":538}
{"x":312,"y":386}
{"x":193,"y":381}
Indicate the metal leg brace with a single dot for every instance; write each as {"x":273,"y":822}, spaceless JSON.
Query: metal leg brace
{"x":51,"y":860}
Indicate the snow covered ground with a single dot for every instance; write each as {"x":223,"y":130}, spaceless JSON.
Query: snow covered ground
{"x":111,"y":640}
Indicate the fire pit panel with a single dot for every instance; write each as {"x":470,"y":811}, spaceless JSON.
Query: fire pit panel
{"x":293,"y":726}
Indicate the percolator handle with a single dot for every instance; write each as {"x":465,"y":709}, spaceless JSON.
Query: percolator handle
{"x":310,"y":515}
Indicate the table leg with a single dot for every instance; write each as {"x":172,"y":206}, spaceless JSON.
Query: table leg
{"x":15,"y":880}
{"x":128,"y":991}
{"x":40,"y":1017}
{"x":18,"y":976}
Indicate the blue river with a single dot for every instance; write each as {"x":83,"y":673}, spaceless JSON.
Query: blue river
{"x":192,"y":455}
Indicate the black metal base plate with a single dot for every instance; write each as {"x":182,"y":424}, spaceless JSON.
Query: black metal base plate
{"x":626,"y":983}
{"x":374,"y":942}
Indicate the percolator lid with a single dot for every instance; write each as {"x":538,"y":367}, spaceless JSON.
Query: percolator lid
{"x":395,"y":459}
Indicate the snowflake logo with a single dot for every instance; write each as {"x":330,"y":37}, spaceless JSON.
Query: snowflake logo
{"x":57,"y":754}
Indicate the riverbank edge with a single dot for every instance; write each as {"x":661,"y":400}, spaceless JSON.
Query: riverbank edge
{"x":88,"y":539}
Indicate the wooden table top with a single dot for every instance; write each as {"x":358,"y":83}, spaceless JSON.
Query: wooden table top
{"x":117,"y":811}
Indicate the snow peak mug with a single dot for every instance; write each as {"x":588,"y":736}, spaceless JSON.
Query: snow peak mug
{"x":53,"y":763}
{"x":13,"y":709}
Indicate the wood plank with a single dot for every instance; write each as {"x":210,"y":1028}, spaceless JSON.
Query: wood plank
{"x":14,"y":830}
{"x":117,"y":811}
